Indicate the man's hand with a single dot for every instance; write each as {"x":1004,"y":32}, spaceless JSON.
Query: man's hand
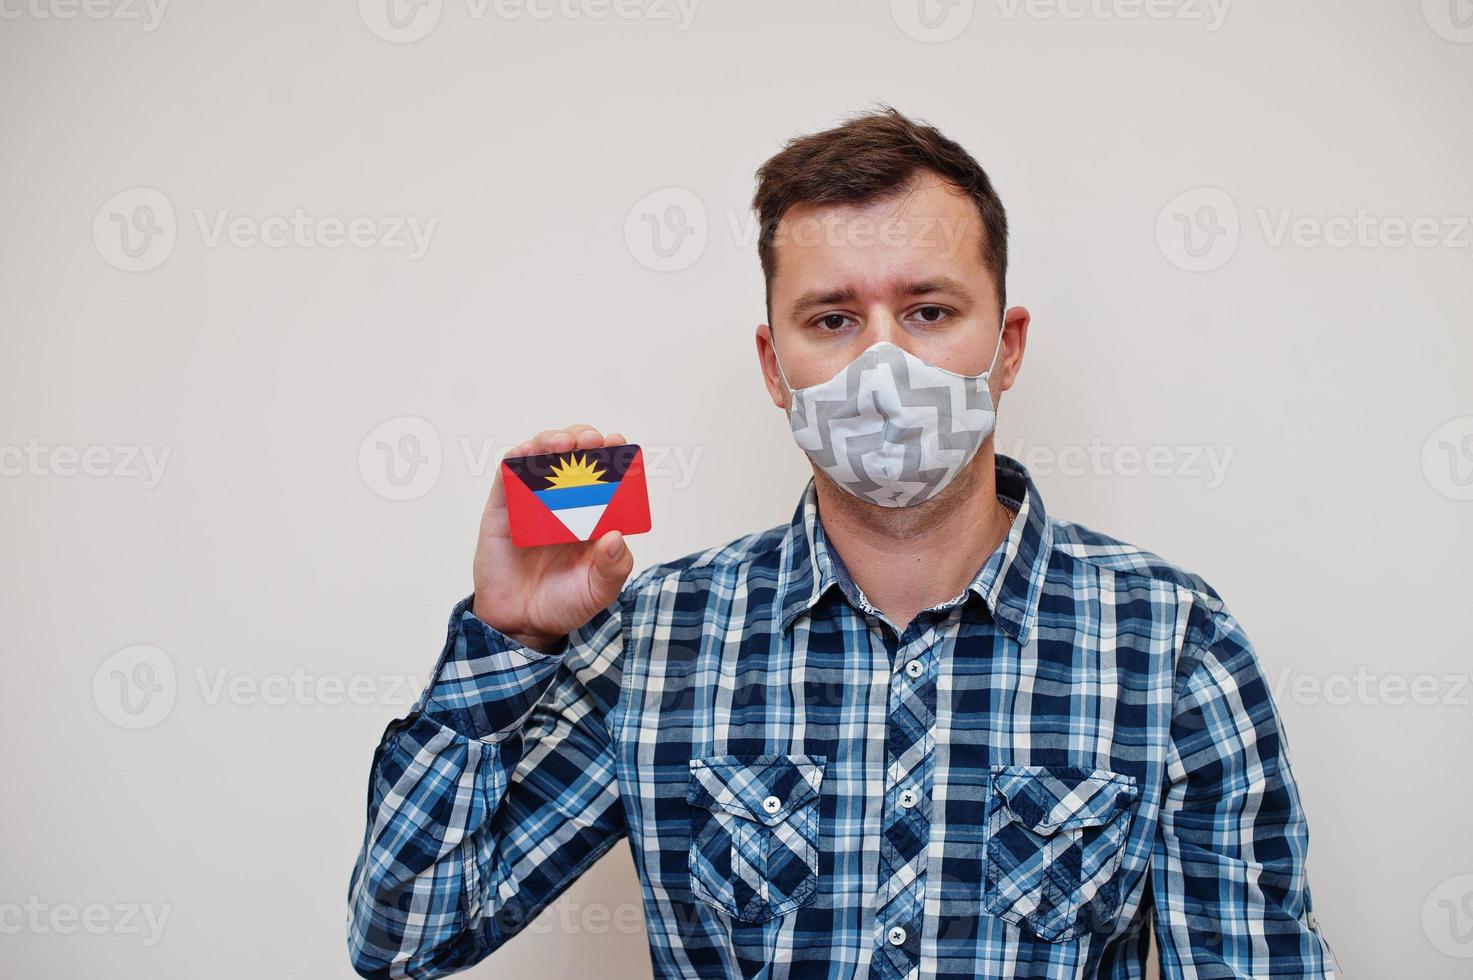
{"x":537,"y":596}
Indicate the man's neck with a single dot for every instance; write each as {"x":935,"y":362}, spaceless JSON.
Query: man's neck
{"x":906,"y":559}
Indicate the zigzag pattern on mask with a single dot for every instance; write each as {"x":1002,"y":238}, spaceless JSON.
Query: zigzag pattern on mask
{"x":891,"y":428}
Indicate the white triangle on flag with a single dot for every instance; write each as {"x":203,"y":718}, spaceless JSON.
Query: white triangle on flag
{"x":581,"y":520}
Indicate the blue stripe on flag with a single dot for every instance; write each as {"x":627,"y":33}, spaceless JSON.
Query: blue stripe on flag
{"x":589,"y":495}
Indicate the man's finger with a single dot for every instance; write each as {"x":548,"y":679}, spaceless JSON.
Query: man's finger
{"x":496,"y":499}
{"x":612,"y":563}
{"x":542,"y":441}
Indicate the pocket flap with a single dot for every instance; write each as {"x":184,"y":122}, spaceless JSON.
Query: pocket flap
{"x":745,"y":784}
{"x":1047,"y":799}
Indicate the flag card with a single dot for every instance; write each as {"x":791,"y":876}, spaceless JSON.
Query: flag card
{"x":577,"y":495}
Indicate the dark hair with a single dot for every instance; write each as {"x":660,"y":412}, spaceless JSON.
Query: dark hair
{"x":869,"y":157}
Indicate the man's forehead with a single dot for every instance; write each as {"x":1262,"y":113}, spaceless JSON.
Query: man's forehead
{"x":922,"y":203}
{"x":850,"y":257}
{"x":929,"y":218}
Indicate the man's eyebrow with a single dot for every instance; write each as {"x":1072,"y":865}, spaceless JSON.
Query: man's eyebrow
{"x":942,"y":284}
{"x":817,"y":298}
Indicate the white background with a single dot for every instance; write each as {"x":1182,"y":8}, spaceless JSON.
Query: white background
{"x":267,"y":556}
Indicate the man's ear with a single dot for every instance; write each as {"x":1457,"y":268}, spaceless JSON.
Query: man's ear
{"x":1014,"y":341}
{"x":767,"y":360}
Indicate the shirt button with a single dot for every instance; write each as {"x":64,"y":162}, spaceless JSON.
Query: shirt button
{"x":914,"y":669}
{"x":908,"y":798}
{"x":772,"y":804}
{"x":896,"y":936}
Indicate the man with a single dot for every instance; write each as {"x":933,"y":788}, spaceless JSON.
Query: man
{"x":923,"y":730}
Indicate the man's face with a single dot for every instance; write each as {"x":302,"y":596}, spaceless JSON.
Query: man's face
{"x":907,"y":269}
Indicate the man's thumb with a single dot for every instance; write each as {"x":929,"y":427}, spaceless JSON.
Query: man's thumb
{"x":611,"y":561}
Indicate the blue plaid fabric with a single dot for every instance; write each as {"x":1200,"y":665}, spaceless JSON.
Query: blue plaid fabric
{"x":1078,"y":750}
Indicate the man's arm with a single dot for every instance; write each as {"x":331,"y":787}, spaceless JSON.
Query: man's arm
{"x":1232,"y":899}
{"x":488,"y":799}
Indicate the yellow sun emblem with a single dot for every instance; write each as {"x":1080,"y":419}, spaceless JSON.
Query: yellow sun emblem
{"x":575,"y":471}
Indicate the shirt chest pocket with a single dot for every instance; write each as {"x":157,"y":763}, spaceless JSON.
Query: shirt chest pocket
{"x":1055,"y":839}
{"x":754,"y":832}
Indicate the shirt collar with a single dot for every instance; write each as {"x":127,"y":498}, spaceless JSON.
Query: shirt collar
{"x":1009,"y":581}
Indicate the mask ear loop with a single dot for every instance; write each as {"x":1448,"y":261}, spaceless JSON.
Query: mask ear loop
{"x":771,"y":337}
{"x":995,"y":350}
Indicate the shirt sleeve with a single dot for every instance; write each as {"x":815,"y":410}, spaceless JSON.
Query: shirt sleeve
{"x":488,"y":799}
{"x":1231,"y":894}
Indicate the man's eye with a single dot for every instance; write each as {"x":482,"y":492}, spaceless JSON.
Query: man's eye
{"x":833,"y":321}
{"x":931,"y":314}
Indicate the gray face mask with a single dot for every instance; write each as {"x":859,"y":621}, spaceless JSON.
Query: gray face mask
{"x":891,"y":428}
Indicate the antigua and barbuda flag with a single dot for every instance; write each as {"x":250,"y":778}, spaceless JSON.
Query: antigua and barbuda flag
{"x":579,"y":495}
